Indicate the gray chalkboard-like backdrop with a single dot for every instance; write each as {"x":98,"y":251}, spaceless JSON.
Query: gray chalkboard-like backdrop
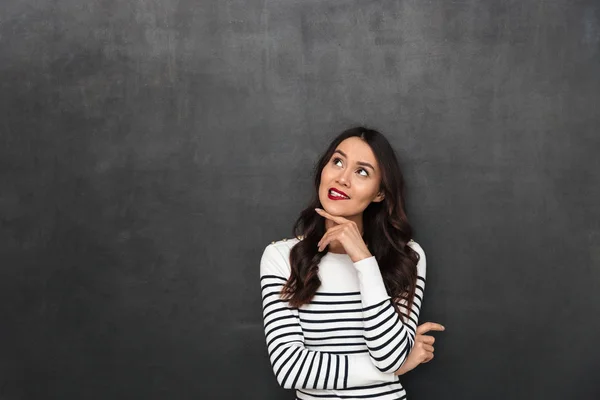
{"x":151,"y":149}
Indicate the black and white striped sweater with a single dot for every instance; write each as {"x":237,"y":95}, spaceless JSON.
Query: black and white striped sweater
{"x":349,"y":340}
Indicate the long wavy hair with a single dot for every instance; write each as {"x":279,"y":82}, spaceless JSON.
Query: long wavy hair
{"x":386,"y":230}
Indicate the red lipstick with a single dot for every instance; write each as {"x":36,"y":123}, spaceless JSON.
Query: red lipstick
{"x":335,"y":194}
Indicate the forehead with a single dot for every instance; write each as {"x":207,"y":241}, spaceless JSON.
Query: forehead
{"x":357,"y":149}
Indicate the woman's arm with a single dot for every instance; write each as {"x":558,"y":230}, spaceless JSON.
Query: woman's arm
{"x":388,"y":339}
{"x":411,"y":317}
{"x":294,"y":365}
{"x":422,"y":351}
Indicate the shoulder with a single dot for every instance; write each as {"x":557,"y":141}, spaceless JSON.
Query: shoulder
{"x":416,"y":247}
{"x":290,"y":242}
{"x":422,"y":264}
{"x":275,"y":259}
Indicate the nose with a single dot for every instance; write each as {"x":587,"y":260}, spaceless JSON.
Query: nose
{"x":344,"y":177}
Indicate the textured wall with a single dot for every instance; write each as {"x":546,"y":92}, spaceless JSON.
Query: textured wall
{"x":151,"y":149}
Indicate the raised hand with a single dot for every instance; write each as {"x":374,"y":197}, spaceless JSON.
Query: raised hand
{"x":346,"y":232}
{"x":422,"y":351}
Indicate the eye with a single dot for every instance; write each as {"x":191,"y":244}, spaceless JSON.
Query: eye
{"x":337,"y":160}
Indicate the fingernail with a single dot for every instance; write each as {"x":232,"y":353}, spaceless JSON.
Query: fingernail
{"x":317,"y":209}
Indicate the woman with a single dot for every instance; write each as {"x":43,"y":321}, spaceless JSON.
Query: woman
{"x":341,"y":300}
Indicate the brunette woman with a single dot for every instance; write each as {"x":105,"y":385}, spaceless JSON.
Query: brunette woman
{"x":341,"y":300}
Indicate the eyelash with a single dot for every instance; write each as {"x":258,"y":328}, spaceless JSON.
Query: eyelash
{"x":335,"y":160}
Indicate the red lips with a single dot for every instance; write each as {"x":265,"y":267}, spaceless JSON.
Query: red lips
{"x":333,"y":197}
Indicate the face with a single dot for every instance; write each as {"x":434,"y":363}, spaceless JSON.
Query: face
{"x":352,"y":170}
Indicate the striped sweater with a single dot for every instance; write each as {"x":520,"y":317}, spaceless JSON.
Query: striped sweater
{"x":349,"y":340}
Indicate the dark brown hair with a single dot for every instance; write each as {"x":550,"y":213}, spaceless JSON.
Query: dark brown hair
{"x":385,"y":226}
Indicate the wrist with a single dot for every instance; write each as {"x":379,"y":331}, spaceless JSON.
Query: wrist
{"x":406,"y":367}
{"x":401,"y":371}
{"x":371,"y":285}
{"x":361,"y":257}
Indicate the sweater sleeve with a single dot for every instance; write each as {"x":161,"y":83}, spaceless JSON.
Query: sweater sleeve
{"x":388,"y":338}
{"x":295,"y":366}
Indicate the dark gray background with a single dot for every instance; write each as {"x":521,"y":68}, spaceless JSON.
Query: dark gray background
{"x":151,"y":149}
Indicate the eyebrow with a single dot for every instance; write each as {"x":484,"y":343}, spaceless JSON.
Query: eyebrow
{"x":365,"y":164}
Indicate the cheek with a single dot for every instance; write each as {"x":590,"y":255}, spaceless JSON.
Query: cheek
{"x":368,"y":192}
{"x":325,"y":176}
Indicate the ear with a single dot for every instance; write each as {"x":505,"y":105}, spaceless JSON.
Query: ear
{"x":380,"y":196}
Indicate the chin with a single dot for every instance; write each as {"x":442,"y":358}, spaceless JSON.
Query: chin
{"x":332,"y":207}
{"x":340,"y":208}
